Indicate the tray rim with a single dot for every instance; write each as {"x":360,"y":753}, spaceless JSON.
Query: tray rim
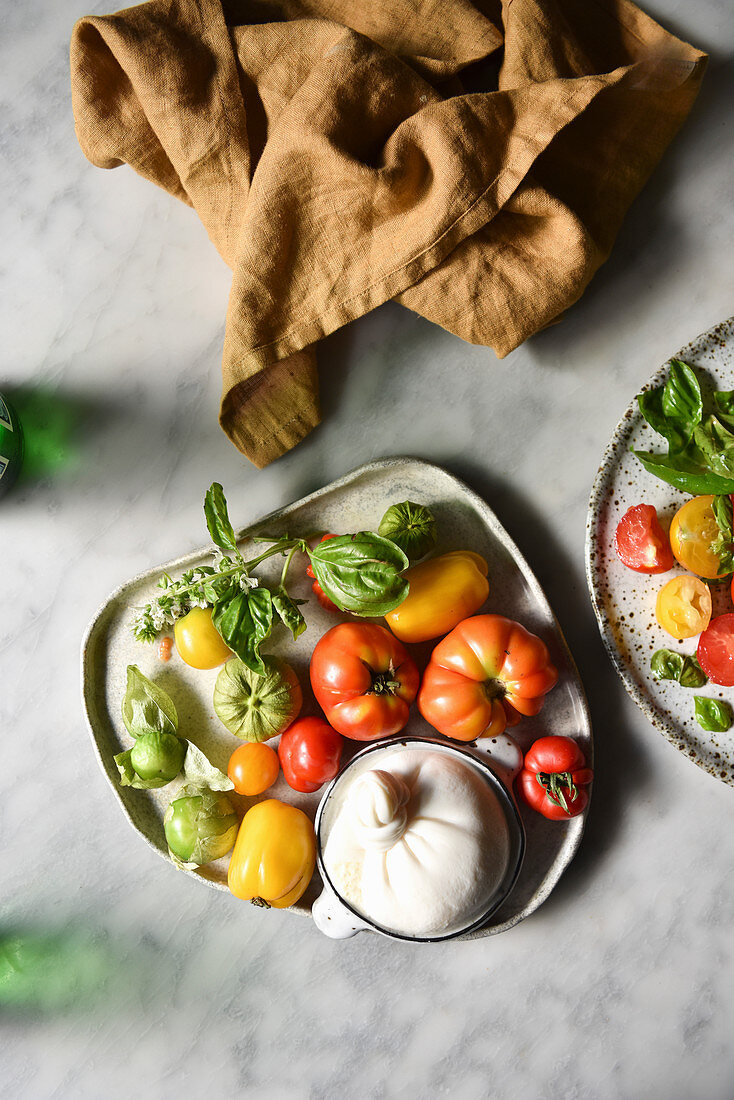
{"x":574,"y":827}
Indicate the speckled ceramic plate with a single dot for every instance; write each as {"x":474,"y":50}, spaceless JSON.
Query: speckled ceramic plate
{"x":356,"y":502}
{"x":624,"y":601}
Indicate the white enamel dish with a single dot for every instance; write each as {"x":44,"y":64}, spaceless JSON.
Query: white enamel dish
{"x":624,"y":601}
{"x":355,"y":502}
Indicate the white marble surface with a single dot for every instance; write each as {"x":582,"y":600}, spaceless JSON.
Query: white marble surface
{"x":112,"y":303}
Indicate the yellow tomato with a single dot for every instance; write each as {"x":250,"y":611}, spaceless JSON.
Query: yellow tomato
{"x":198,"y":641}
{"x":274,"y":855}
{"x":684,"y":606}
{"x":693,"y":531}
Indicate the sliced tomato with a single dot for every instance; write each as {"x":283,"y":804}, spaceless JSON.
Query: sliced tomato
{"x":683,"y":606}
{"x":716,"y":650}
{"x":694,"y":534}
{"x":640,"y":541}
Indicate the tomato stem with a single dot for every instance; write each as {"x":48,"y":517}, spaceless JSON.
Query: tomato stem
{"x":553,"y":783}
{"x":383,"y":682}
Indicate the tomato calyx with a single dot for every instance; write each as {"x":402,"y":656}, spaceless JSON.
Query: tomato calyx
{"x":383,"y":683}
{"x":494,"y":688}
{"x":554,"y":783}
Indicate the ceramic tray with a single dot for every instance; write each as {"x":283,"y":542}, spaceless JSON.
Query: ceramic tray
{"x":356,"y":502}
{"x":624,"y":601}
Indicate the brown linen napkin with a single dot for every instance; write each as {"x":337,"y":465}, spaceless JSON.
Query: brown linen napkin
{"x":337,"y":161}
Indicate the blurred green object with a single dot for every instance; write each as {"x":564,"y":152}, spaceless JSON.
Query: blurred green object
{"x":11,"y":445}
{"x":54,"y":426}
{"x":46,"y":972}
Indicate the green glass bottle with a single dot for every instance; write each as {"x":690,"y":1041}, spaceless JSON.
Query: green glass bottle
{"x":11,"y":445}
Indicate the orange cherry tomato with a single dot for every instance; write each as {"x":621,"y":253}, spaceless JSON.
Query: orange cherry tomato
{"x":486,"y":674}
{"x":693,"y":533}
{"x":683,"y":606}
{"x":253,"y":767}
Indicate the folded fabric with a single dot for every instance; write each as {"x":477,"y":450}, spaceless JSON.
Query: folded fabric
{"x":336,"y":156}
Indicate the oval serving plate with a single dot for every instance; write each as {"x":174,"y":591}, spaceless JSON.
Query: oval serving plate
{"x":624,"y":601}
{"x":355,"y":502}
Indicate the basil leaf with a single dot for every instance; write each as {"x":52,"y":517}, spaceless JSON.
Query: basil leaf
{"x":674,"y":409}
{"x":724,"y":401}
{"x":713,"y":715}
{"x":681,"y":400}
{"x":715,"y":445}
{"x":287,"y":609}
{"x":198,"y":769}
{"x":666,"y":664}
{"x":130,"y":778}
{"x":692,"y":675}
{"x":723,"y":544}
{"x":217,"y":518}
{"x":361,"y":573}
{"x":146,"y":708}
{"x":245,"y":619}
{"x":683,"y":472}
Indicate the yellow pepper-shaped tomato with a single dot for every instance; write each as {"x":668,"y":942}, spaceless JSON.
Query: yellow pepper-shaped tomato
{"x":274,"y":855}
{"x":443,"y":592}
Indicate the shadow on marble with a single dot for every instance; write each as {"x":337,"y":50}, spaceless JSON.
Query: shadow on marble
{"x":621,"y":768}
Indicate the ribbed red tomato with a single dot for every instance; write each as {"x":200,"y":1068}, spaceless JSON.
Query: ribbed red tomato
{"x":484,"y":675}
{"x":364,"y":680}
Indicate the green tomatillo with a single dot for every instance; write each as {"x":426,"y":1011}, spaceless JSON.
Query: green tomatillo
{"x":200,"y":825}
{"x":255,"y":707}
{"x":158,"y":756}
{"x":410,"y":526}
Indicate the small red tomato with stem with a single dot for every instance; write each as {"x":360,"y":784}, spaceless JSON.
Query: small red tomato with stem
{"x":554,"y":778}
{"x":640,"y":542}
{"x":309,"y":753}
{"x":364,"y":680}
{"x":716,"y":650}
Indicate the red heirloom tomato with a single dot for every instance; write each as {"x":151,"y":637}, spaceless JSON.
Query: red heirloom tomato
{"x":641,"y":543}
{"x":483,"y":676}
{"x":316,"y":588}
{"x":716,"y":650}
{"x":309,"y":752}
{"x":553,"y":778}
{"x":364,"y":680}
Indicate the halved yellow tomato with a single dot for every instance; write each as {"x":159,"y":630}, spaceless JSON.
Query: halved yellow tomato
{"x":693,"y":532}
{"x":683,"y":606}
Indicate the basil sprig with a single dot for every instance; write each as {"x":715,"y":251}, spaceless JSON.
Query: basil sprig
{"x":700,"y":456}
{"x":360,"y":573}
{"x":666,"y":664}
{"x":713,"y":715}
